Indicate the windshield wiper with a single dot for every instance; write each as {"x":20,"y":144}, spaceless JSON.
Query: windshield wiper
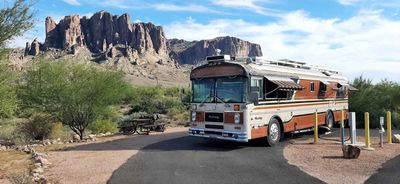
{"x":218,"y":98}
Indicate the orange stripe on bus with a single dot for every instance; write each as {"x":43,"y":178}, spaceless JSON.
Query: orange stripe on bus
{"x":296,"y":105}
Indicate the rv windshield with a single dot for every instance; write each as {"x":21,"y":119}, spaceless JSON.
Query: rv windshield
{"x":227,"y":90}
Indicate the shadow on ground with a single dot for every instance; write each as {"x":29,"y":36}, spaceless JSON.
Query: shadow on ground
{"x":186,"y":159}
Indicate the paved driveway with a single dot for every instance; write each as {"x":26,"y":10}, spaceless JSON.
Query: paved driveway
{"x":191,"y":160}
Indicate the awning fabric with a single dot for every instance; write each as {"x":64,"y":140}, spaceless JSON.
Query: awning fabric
{"x":325,"y":82}
{"x":352,"y":88}
{"x":284,"y":83}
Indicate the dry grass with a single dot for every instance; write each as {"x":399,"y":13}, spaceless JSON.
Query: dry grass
{"x":324,"y":161}
{"x":12,"y":161}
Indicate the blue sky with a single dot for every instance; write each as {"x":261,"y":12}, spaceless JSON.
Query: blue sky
{"x":358,"y":37}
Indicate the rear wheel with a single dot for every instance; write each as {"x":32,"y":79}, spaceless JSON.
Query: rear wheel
{"x":329,"y":119}
{"x":274,"y":132}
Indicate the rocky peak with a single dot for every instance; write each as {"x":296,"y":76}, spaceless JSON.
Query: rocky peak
{"x":192,"y":52}
{"x":106,"y":35}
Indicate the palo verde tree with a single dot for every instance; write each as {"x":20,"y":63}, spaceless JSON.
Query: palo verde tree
{"x":73,"y":93}
{"x":14,"y":21}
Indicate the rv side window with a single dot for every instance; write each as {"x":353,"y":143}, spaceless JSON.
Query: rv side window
{"x":322,"y":87}
{"x":312,"y":87}
{"x":258,"y":83}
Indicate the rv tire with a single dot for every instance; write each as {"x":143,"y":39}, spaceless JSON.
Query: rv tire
{"x":274,"y":132}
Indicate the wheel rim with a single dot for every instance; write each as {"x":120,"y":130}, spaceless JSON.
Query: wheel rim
{"x":274,"y":132}
{"x":330,"y":120}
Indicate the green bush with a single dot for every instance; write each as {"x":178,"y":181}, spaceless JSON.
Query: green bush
{"x":74,"y":92}
{"x":103,"y":126}
{"x":7,"y":131}
{"x":376,"y":99}
{"x":38,"y":127}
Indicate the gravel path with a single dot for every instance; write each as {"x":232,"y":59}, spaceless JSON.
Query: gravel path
{"x":324,"y":161}
{"x":95,"y":162}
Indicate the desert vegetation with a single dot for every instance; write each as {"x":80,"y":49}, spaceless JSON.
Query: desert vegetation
{"x":376,"y":99}
{"x":83,"y":97}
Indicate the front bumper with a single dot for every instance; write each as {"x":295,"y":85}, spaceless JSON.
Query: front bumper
{"x":220,"y":134}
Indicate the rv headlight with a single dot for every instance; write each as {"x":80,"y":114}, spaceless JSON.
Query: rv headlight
{"x":237,"y":118}
{"x":193,"y":115}
{"x":193,"y":107}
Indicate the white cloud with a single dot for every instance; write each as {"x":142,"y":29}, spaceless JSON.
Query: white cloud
{"x":251,"y":5}
{"x":190,"y":8}
{"x":364,"y":44}
{"x":72,"y":2}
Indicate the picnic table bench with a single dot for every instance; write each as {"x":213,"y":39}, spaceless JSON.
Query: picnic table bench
{"x":140,"y":125}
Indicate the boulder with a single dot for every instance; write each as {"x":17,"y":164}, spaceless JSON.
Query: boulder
{"x":38,"y":170}
{"x":92,"y":137}
{"x":3,"y":148}
{"x":396,"y":138}
{"x":42,"y":161}
{"x":351,"y":152}
{"x":76,"y":138}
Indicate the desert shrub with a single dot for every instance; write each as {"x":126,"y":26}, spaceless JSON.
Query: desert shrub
{"x":159,"y":99}
{"x":7,"y":130}
{"x":180,"y":114}
{"x":38,"y":127}
{"x":58,"y":130}
{"x":103,"y":126}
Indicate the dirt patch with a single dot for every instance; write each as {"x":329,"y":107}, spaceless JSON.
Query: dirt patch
{"x":324,"y":161}
{"x":12,"y":161}
{"x":95,"y":162}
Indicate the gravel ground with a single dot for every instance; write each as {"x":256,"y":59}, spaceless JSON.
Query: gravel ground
{"x":95,"y":162}
{"x":324,"y":161}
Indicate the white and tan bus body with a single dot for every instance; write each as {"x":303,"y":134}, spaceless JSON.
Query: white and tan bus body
{"x":244,"y":99}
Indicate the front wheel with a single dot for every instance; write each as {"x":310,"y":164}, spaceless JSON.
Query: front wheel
{"x":274,"y":132}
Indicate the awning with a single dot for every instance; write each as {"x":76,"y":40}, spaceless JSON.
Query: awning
{"x":325,"y":82}
{"x":352,"y":88}
{"x":284,"y":83}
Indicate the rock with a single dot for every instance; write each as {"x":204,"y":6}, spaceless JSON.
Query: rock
{"x":102,"y":134}
{"x":27,"y":49}
{"x":396,"y":138}
{"x":160,"y":62}
{"x":38,"y":170}
{"x":54,"y":141}
{"x":76,"y":138}
{"x":92,"y":137}
{"x":108,"y":133}
{"x":42,"y":160}
{"x":35,"y":48}
{"x":3,"y":148}
{"x":38,"y":165}
{"x":46,"y":142}
{"x":35,"y":175}
{"x":351,"y":152}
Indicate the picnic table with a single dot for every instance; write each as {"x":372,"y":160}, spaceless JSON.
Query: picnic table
{"x":141,"y":125}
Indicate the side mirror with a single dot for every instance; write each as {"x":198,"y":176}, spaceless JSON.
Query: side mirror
{"x":254,"y":97}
